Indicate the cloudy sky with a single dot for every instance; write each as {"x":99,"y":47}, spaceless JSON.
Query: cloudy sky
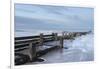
{"x":60,"y":18}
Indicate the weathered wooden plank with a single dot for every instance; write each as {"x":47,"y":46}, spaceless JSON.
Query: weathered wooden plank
{"x":26,"y":37}
{"x":30,"y":37}
{"x":21,"y":45}
{"x":26,"y":41}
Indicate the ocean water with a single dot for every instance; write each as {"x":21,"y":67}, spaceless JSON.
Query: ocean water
{"x":84,"y":46}
{"x":78,"y":50}
{"x":35,"y":19}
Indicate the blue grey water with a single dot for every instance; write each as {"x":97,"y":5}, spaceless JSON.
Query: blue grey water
{"x":79,"y":50}
{"x":32,"y":19}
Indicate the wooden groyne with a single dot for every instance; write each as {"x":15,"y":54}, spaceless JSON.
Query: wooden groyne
{"x":34,"y":46}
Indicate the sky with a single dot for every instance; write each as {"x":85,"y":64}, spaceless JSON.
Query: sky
{"x":34,"y":17}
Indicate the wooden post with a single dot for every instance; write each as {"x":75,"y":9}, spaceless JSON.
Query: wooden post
{"x":55,"y":36}
{"x":41,"y":39}
{"x":66,"y":35}
{"x":63,"y":35}
{"x":61,"y":42}
{"x":72,"y":35}
{"x":32,"y":50}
